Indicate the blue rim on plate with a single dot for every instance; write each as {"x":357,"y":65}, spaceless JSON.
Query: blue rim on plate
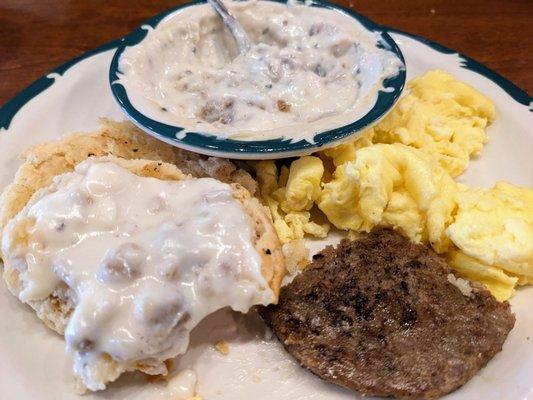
{"x":212,"y":145}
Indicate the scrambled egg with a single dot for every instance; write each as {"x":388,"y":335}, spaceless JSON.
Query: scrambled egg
{"x":443,"y":117}
{"x":291,"y":196}
{"x":303,"y":184}
{"x":385,"y":184}
{"x":391,"y":185}
{"x":346,"y":152}
{"x":495,"y":227}
{"x":400,"y":173}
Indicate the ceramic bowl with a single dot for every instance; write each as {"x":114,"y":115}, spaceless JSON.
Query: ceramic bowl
{"x":135,"y":106}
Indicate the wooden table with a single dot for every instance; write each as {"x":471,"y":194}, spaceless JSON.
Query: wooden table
{"x":38,"y":35}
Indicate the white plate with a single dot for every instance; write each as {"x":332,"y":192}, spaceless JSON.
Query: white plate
{"x":33,"y":364}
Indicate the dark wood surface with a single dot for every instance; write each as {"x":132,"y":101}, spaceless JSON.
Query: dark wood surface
{"x":38,"y":35}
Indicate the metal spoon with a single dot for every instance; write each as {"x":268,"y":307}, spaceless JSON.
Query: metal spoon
{"x":236,"y":29}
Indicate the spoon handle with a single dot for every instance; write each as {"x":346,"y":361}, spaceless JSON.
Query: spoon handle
{"x":236,"y":29}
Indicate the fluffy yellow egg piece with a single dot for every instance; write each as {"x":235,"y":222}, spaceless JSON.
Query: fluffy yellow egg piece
{"x":289,"y":205}
{"x":303,"y":183}
{"x":442,"y":116}
{"x":495,"y":226}
{"x":346,"y":151}
{"x":339,"y":198}
{"x":391,"y":185}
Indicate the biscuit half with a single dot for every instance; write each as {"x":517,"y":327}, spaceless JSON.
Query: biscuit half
{"x":56,"y":309}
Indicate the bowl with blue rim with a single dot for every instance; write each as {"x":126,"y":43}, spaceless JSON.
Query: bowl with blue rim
{"x":214,"y":144}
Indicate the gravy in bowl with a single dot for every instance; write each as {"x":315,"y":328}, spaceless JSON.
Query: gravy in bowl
{"x":309,"y":69}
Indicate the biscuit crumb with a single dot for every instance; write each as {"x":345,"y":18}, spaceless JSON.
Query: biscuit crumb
{"x":296,"y":256}
{"x":222,"y":347}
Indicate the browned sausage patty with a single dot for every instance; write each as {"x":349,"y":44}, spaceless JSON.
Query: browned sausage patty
{"x":378,"y":315}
